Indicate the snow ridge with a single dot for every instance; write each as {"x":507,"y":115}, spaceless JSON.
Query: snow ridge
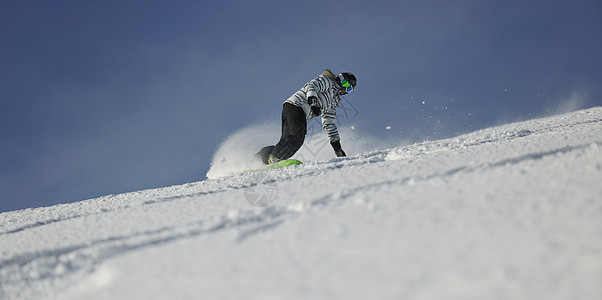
{"x":506,"y":212}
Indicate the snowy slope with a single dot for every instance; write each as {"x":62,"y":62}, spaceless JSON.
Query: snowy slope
{"x":511,"y":212}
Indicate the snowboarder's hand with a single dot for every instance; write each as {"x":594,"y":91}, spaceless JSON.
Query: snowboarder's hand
{"x":337,"y":149}
{"x":313,"y":103}
{"x":340,"y":153}
{"x":316,"y":111}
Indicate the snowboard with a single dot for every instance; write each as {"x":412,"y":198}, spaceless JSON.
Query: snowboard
{"x":284,"y":163}
{"x":277,"y":165}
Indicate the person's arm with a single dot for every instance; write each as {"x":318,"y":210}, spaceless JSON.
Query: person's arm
{"x":314,"y":87}
{"x":329,"y":124}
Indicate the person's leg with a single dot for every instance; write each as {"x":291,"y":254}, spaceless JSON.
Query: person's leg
{"x":264,"y":154}
{"x":294,"y":129}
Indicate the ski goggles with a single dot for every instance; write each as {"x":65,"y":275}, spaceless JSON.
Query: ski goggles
{"x":347,"y":87}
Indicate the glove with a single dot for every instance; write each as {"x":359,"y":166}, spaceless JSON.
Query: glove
{"x":313,"y":103}
{"x":337,"y":149}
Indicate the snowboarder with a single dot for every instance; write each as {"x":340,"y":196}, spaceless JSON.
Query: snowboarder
{"x":319,"y":97}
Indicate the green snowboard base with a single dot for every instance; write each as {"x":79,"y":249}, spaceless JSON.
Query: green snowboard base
{"x":278,"y":165}
{"x":284,"y":163}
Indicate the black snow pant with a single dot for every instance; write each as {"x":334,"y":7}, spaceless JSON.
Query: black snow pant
{"x":294,"y":129}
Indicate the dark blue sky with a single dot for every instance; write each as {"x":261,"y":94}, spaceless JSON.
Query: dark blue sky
{"x":102,"y":97}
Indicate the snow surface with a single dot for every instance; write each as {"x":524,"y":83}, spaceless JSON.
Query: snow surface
{"x":511,"y":212}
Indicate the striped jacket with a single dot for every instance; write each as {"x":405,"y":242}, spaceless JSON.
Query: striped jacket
{"x":326,"y":90}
